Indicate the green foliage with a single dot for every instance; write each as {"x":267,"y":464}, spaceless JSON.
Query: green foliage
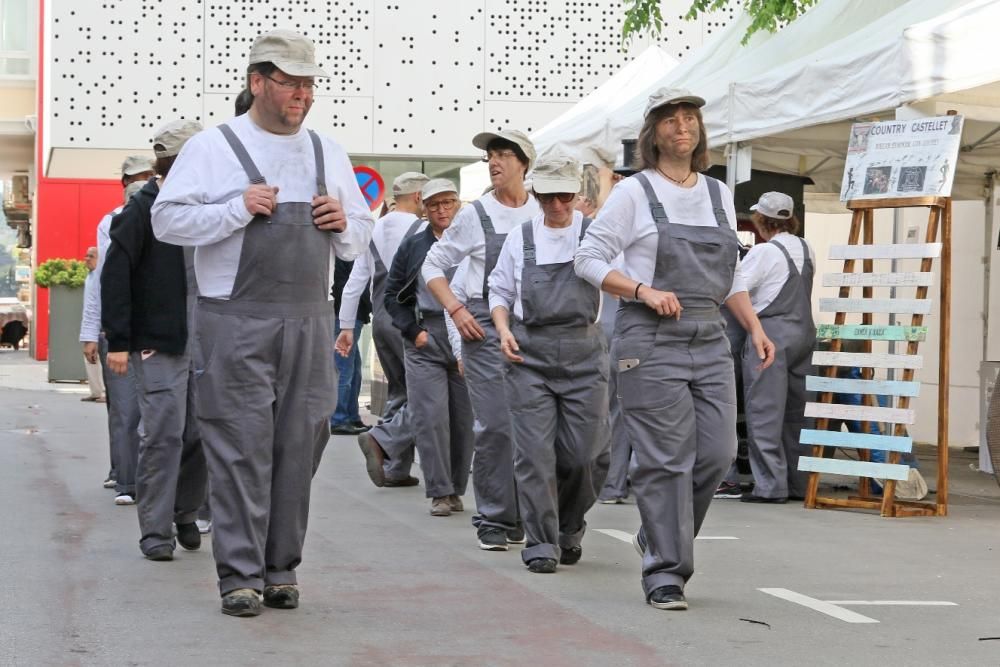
{"x":68,"y":272}
{"x":644,"y":15}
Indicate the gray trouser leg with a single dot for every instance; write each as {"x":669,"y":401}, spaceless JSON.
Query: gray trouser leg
{"x":795,"y":421}
{"x":123,"y":422}
{"x":167,"y":463}
{"x":616,"y":483}
{"x":192,"y":483}
{"x":394,"y":435}
{"x":493,"y":465}
{"x":266,"y":389}
{"x":680,"y":410}
{"x":441,"y":416}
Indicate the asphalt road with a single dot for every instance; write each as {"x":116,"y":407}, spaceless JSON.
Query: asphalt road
{"x":384,"y":583}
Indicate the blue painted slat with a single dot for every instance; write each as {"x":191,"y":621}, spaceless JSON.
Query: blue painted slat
{"x":891,"y":443}
{"x":854,"y":468}
{"x":849,"y":386}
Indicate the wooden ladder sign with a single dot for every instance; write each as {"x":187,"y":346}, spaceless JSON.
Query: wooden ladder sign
{"x":890,"y":431}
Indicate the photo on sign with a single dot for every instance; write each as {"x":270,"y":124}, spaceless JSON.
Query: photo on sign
{"x":877,"y":180}
{"x":859,"y":138}
{"x":911,"y":179}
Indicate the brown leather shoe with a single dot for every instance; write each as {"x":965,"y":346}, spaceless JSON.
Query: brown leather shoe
{"x":456,"y":504}
{"x":440,"y":507}
{"x":409,"y":481}
{"x":374,"y":458}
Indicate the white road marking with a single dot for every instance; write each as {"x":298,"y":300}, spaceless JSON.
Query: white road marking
{"x":822,"y":607}
{"x":897,"y":603}
{"x":627,"y":537}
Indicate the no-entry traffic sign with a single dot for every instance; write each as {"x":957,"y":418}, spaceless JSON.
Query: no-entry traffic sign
{"x":371,"y":185}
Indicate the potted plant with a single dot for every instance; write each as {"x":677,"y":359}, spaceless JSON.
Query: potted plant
{"x":64,"y":279}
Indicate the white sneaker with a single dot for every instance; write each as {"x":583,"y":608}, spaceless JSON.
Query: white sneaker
{"x":204,"y":526}
{"x":124,"y":499}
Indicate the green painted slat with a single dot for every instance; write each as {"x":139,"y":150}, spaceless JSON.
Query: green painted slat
{"x":871,"y":332}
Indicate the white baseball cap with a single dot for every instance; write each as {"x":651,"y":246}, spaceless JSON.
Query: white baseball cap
{"x":408,"y":182}
{"x":557,"y":173}
{"x":665,"y":96}
{"x":520,"y":139}
{"x":775,"y":205}
{"x":436,"y":186}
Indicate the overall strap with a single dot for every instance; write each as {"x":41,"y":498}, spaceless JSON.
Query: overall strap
{"x":484,"y":218}
{"x":806,"y":259}
{"x":241,"y":154}
{"x":413,"y":229}
{"x":320,"y":166}
{"x":715,"y":194}
{"x":379,"y":264}
{"x":655,"y":207}
{"x":784,"y":251}
{"x":583,"y":227}
{"x":528,"y":243}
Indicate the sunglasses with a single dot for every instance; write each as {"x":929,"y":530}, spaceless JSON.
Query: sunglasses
{"x":547,"y":197}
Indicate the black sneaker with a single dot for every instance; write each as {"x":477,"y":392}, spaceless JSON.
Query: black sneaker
{"x":285,"y":596}
{"x":160,"y":553}
{"x":516,"y":536}
{"x":639,"y":542}
{"x":361,"y":426}
{"x":542,"y":565}
{"x":729,"y":490}
{"x":571,"y":555}
{"x":188,"y":536}
{"x":668,"y":597}
{"x":492,"y":539}
{"x":344,"y":429}
{"x":242,"y":602}
{"x":749,"y":497}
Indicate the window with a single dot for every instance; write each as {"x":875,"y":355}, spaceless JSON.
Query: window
{"x":16,"y":39}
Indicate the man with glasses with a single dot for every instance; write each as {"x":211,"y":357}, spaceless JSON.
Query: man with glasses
{"x":267,"y":204}
{"x":393,"y":436}
{"x":478,"y":233}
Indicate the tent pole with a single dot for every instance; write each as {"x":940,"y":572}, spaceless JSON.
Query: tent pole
{"x":733,"y":148}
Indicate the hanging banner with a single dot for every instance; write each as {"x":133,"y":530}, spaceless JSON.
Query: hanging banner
{"x":902,"y":158}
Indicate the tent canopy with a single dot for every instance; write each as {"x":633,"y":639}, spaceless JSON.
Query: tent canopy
{"x":792,"y":95}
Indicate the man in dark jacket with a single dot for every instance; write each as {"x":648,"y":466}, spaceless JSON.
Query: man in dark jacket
{"x":145,"y":313}
{"x":346,"y":419}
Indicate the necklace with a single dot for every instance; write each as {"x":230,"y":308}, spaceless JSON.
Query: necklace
{"x":674,"y":180}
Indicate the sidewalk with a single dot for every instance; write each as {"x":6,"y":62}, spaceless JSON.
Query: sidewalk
{"x":19,"y":371}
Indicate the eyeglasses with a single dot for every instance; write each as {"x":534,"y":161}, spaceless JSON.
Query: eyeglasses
{"x":547,"y":197}
{"x":308,"y":86}
{"x":502,"y":154}
{"x":445,"y":205}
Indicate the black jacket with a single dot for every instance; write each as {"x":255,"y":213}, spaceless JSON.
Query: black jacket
{"x":401,"y":284}
{"x":143,"y":283}
{"x":341,"y":272}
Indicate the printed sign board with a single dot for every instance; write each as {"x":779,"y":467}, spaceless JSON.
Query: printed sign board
{"x":902,"y":158}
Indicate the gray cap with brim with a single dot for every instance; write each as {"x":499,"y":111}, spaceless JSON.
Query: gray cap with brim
{"x":170,"y":138}
{"x":665,"y":96}
{"x":483,"y":139}
{"x":557,"y":173}
{"x":290,"y":52}
{"x":136,"y":164}
{"x":409,"y":182}
{"x":436,"y":186}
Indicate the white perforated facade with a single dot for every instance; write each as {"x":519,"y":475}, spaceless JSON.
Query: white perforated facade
{"x":410,"y":78}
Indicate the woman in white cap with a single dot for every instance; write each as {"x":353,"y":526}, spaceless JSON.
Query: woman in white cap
{"x":478,"y":233}
{"x":437,"y":397}
{"x":779,"y":277}
{"x":557,"y":378}
{"x":677,"y":229}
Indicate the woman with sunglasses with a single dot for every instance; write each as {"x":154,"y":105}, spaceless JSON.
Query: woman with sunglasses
{"x":676,"y":386}
{"x":557,"y":376}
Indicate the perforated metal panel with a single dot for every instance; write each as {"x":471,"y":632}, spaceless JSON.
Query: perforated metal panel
{"x":407,"y":78}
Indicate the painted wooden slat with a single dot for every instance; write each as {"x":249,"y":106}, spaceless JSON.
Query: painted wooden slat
{"x":851,"y":386}
{"x":902,"y":279}
{"x":854,"y":468}
{"x":863,"y":413}
{"x":871,"y":332}
{"x":886,"y":251}
{"x":890,"y":443}
{"x":868,"y":359}
{"x":908,"y":306}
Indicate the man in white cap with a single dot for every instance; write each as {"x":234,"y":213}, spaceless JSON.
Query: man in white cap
{"x":146,"y":315}
{"x":393,"y":436}
{"x":267,"y":204}
{"x":122,"y":402}
{"x":478,"y":233}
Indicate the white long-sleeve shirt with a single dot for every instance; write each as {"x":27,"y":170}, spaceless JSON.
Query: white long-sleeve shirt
{"x":624,"y":225}
{"x":765,"y":268}
{"x":552,"y":246}
{"x":201,"y":203}
{"x":386,"y":235}
{"x":464,"y":238}
{"x":90,"y":323}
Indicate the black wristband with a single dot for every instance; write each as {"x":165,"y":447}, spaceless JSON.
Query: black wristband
{"x":635,"y":296}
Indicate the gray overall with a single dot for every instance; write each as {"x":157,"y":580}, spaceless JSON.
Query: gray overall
{"x":676,"y":388}
{"x":493,"y":465}
{"x":559,"y":403}
{"x":266,"y":389}
{"x":776,"y":398}
{"x":394,"y":433}
{"x":171,"y":477}
{"x":438,"y":402}
{"x":123,"y":421}
{"x":616,"y":480}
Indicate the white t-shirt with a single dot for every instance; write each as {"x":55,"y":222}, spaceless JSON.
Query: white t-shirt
{"x":624,"y":225}
{"x":765,"y":268}
{"x":552,"y":246}
{"x":201,"y":202}
{"x":387,"y":235}
{"x":465,"y":238}
{"x":90,"y":323}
